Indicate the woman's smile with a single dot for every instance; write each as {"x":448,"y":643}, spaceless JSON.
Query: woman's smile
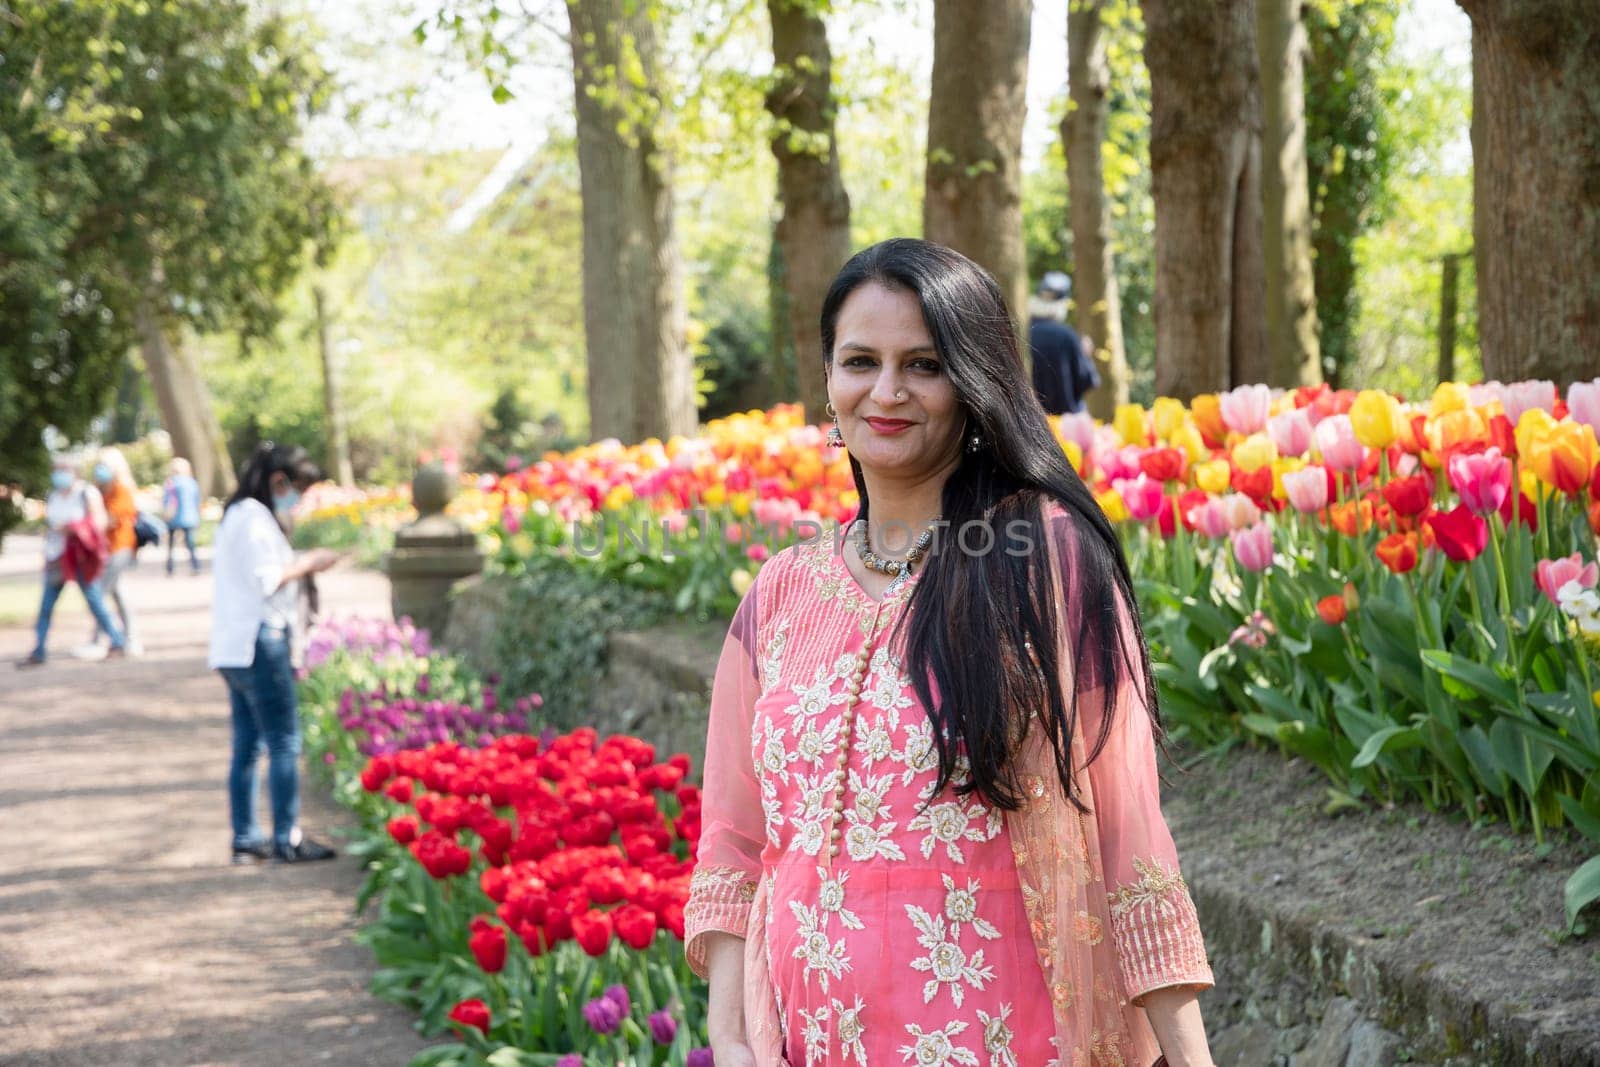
{"x":888,"y":427}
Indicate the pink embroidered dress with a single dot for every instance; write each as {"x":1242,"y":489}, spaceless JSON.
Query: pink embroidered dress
{"x":885,"y":925}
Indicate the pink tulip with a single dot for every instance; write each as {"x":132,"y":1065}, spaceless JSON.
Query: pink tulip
{"x":1336,"y":440}
{"x":510,"y":520}
{"x":1583,"y":404}
{"x":1552,"y":574}
{"x":1121,"y":463}
{"x":1240,"y":510}
{"x":1078,"y":427}
{"x":1252,"y":547}
{"x":1519,"y":397}
{"x":1244,"y":410}
{"x":1482,"y":480}
{"x":1291,"y":432}
{"x":1210,"y":518}
{"x":1307,"y":489}
{"x":1141,"y":496}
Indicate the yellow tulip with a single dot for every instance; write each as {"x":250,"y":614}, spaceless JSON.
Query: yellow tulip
{"x":1454,"y":429}
{"x":1074,"y":455}
{"x":1187,"y":437}
{"x":1129,"y":423}
{"x":740,"y":579}
{"x":1450,"y":396}
{"x":740,"y":502}
{"x":1213,"y":476}
{"x":1254,"y":452}
{"x":1533,"y":429}
{"x":716,"y":495}
{"x":1280,"y":467}
{"x":1565,"y":457}
{"x":1110,"y":502}
{"x":1166,"y":415}
{"x":1376,"y":418}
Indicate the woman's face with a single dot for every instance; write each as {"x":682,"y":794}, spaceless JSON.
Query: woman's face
{"x":897,"y":407}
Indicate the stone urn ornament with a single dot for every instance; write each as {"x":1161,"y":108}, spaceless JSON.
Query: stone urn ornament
{"x":431,"y":554}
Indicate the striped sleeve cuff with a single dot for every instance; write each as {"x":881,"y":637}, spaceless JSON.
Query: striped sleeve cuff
{"x":719,"y":900}
{"x":1157,"y":932}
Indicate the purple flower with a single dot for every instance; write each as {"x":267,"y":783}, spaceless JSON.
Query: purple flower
{"x":424,"y":683}
{"x":619,"y":994}
{"x":663,"y":1027}
{"x":571,"y":1059}
{"x":603,"y":1015}
{"x":699,"y":1057}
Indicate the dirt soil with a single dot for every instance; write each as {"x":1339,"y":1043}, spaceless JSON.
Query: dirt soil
{"x":126,"y":937}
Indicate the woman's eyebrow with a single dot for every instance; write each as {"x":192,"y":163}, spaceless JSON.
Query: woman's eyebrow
{"x":857,"y":346}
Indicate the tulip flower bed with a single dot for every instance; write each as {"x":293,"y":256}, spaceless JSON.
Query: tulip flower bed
{"x":532,"y":899}
{"x":1401,"y":593}
{"x":530,"y":889}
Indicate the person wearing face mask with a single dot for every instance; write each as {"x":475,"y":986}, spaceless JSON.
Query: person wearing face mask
{"x":256,"y":584}
{"x":74,"y":551}
{"x":113,"y":478}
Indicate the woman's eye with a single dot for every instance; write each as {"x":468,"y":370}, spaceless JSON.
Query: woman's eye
{"x":928,"y":365}
{"x":858,"y":361}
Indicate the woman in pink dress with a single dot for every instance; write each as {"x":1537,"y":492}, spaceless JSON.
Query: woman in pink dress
{"x":931,"y":830}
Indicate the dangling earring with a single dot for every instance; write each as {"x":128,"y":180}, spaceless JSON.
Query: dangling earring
{"x":975,"y":443}
{"x":835,"y":437}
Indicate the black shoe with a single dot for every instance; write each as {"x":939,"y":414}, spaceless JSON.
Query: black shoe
{"x":250,"y":854}
{"x":303,"y":851}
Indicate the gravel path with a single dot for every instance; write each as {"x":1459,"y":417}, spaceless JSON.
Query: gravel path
{"x":126,"y":937}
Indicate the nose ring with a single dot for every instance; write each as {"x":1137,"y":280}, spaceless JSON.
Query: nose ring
{"x":899,"y":394}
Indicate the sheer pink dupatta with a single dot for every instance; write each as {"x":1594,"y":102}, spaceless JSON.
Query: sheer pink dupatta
{"x":727,"y":892}
{"x":1110,"y":915}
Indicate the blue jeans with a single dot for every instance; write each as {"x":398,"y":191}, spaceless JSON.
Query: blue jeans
{"x":172,"y":547}
{"x":54,"y":582}
{"x":266,"y":717}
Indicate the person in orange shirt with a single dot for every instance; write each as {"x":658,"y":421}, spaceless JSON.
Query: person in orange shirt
{"x":114,"y":479}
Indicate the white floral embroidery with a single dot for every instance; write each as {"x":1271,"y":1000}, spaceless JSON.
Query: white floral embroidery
{"x":850,"y":1029}
{"x":815,"y":1034}
{"x":888,"y":689}
{"x":919,"y":755}
{"x":864,"y":841}
{"x":874,"y":738}
{"x":815,"y":743}
{"x":826,"y":958}
{"x":934,"y":1048}
{"x":818,"y":697}
{"x":949,"y":823}
{"x":997,"y":1037}
{"x":946,"y":961}
{"x":961,"y":906}
{"x":869,"y":791}
{"x":772,"y":662}
{"x":830,"y":898}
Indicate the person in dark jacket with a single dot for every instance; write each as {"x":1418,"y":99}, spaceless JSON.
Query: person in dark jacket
{"x":1062,"y":370}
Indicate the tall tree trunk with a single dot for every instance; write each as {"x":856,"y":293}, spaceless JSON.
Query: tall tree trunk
{"x":127,"y":409}
{"x":1294,"y":357}
{"x":185,"y":404}
{"x":783,"y":366}
{"x":973,"y":196}
{"x":332,"y":410}
{"x":641,"y":376}
{"x":1536,"y":186}
{"x":1083,"y":132}
{"x":1449,"y":285}
{"x":814,"y":233}
{"x":1205,"y":166}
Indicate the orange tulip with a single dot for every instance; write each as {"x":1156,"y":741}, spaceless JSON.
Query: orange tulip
{"x":1351,"y":517}
{"x":1565,"y":456}
{"x":1207,"y":411}
{"x":1398,"y":552}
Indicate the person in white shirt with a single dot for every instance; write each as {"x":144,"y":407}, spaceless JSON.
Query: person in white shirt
{"x":66,"y":557}
{"x":256,"y":581}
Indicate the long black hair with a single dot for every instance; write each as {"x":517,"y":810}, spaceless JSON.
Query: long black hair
{"x":999,"y":600}
{"x":255,"y":477}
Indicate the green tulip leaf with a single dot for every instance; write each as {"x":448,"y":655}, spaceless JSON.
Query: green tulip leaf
{"x":1582,"y":889}
{"x":1390,"y":737}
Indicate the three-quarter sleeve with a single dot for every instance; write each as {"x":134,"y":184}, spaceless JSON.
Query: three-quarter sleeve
{"x":732,"y":827}
{"x":1153,"y":921}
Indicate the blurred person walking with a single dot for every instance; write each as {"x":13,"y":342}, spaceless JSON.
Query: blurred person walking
{"x":1063,"y":373}
{"x":113,"y":478}
{"x":75,"y":550}
{"x":256,"y":578}
{"x":180,"y":501}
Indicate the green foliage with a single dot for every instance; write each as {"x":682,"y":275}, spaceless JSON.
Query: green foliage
{"x":1351,"y":149}
{"x":144,"y":147}
{"x":552,"y":640}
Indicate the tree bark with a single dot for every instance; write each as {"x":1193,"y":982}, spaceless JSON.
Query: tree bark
{"x":1294,"y":356}
{"x":814,"y":232}
{"x":185,"y":404}
{"x":973,"y":196}
{"x":641,"y":376}
{"x":1083,"y":132}
{"x":332,"y":410}
{"x":1536,"y":186}
{"x":1449,"y":284}
{"x":1205,"y":167}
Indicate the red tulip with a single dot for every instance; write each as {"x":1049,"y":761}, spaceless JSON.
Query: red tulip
{"x":1332,"y":609}
{"x":488,"y":945}
{"x":474,"y":1013}
{"x":403,"y":829}
{"x":593,"y":931}
{"x":1459,"y":533}
{"x":1409,"y":496}
{"x":399,"y":790}
{"x":378,"y":770}
{"x":1164,"y":464}
{"x":636,"y":926}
